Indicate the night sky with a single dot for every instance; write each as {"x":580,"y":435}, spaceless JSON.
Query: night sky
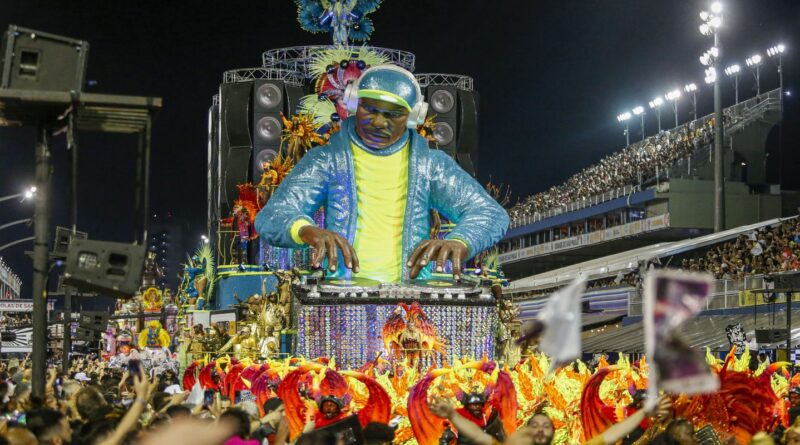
{"x":552,"y":76}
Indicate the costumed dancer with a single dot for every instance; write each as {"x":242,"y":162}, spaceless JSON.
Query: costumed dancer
{"x":193,"y":280}
{"x":244,"y":229}
{"x":154,"y":337}
{"x":377,"y":180}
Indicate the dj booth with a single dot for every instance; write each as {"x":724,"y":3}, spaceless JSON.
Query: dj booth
{"x":344,"y":319}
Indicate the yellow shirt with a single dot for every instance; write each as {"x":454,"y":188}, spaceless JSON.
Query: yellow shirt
{"x":381,"y":190}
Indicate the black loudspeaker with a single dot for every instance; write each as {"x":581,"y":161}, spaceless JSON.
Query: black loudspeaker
{"x":456,"y":120}
{"x":96,"y":321}
{"x":770,"y":335}
{"x":113,"y":269}
{"x":34,"y":60}
{"x":235,"y":143}
{"x":270,"y":99}
{"x":250,"y":130}
{"x":63,"y":238}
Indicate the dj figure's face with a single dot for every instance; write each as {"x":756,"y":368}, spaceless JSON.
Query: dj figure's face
{"x":379,"y":123}
{"x":329,"y":409}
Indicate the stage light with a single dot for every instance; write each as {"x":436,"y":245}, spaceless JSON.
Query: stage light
{"x":204,"y":238}
{"x":753,"y":60}
{"x":705,"y":29}
{"x":714,"y":51}
{"x":716,"y":7}
{"x":775,"y":50}
{"x":673,"y":95}
{"x":690,"y":87}
{"x":733,"y":69}
{"x":704,"y":15}
{"x":624,"y":116}
{"x":657,"y":102}
{"x":638,"y":110}
{"x":715,"y":22}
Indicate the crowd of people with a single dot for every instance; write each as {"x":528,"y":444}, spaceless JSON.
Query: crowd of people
{"x":98,"y":405}
{"x":632,"y":165}
{"x":769,"y":250}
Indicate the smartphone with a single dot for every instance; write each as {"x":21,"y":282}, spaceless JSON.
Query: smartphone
{"x":208,"y":397}
{"x":134,"y":367}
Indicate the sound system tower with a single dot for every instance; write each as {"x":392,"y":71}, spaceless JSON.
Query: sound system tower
{"x":35,"y":60}
{"x":456,"y":118}
{"x":108,"y":268}
{"x":250,"y":128}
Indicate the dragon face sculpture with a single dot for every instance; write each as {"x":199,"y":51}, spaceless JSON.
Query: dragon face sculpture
{"x":412,"y":337}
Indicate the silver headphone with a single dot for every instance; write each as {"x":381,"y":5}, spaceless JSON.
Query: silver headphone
{"x":418,"y":112}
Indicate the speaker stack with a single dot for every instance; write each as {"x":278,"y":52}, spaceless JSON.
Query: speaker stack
{"x":454,"y":104}
{"x":250,"y":105}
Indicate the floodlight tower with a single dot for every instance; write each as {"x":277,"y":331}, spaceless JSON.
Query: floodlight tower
{"x":754,"y":62}
{"x":673,"y":97}
{"x":692,"y":88}
{"x":625,"y":117}
{"x":712,"y":21}
{"x":733,"y":71}
{"x":656,"y":105}
{"x":639,"y":111}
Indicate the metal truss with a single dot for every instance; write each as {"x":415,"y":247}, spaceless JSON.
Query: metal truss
{"x":289,"y":77}
{"x":297,"y":58}
{"x":451,"y":80}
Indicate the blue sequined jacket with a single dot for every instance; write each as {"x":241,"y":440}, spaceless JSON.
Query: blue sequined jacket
{"x":325,"y":177}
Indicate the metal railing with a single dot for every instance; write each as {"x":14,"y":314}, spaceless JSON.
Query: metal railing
{"x":576,"y":205}
{"x":725,"y":294}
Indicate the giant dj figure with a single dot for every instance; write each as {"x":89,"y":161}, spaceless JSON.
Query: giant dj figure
{"x":378,"y":180}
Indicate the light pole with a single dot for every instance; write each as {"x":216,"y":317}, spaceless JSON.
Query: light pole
{"x":27,"y":194}
{"x":777,"y":51}
{"x":712,"y":21}
{"x":639,"y":111}
{"x":673,"y":97}
{"x":733,"y":71}
{"x":625,"y":117}
{"x":656,"y":105}
{"x":754,"y":62}
{"x":692,"y":88}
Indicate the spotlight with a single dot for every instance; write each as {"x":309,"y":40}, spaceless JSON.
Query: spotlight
{"x":714,"y":51}
{"x":624,"y":116}
{"x":715,"y":22}
{"x":690,"y":87}
{"x":704,"y":15}
{"x":657,"y":102}
{"x":705,"y":29}
{"x":733,"y":69}
{"x":775,"y":50}
{"x":753,"y":60}
{"x":638,"y":110}
{"x":716,"y":7}
{"x":673,"y":95}
{"x":711,"y":75}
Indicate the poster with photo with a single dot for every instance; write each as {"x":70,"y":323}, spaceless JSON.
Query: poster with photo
{"x":670,"y":299}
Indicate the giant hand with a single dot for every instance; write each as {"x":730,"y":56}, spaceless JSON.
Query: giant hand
{"x":439,"y":250}
{"x":327,"y":244}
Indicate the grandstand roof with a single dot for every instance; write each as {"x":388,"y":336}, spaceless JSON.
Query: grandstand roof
{"x":627,"y":261}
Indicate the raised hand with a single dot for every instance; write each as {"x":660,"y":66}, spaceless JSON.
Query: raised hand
{"x":440,"y":251}
{"x":327,"y":244}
